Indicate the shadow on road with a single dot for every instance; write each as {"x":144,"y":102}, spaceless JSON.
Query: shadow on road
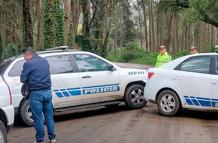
{"x":94,"y":112}
{"x":78,"y":114}
{"x":204,"y":115}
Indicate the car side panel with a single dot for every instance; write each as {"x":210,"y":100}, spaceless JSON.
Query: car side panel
{"x":162,"y":79}
{"x":131,"y":75}
{"x":9,"y":112}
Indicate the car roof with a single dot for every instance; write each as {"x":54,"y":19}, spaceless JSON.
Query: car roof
{"x":60,"y":49}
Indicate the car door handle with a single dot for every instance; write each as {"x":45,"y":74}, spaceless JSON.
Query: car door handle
{"x":177,"y":78}
{"x":87,"y":76}
{"x":214,"y":82}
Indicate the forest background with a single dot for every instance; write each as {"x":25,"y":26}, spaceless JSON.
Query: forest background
{"x":119,"y":30}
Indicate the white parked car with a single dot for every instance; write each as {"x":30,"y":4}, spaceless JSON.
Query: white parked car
{"x":6,"y":110}
{"x":188,"y":82}
{"x":79,"y":80}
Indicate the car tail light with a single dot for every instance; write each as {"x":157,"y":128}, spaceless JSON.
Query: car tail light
{"x":150,"y":74}
{"x":9,"y":92}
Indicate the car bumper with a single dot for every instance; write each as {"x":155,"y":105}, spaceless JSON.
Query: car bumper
{"x":9,"y":113}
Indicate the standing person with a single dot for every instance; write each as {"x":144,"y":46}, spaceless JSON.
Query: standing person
{"x":193,"y":50}
{"x":36,"y":74}
{"x":163,"y":57}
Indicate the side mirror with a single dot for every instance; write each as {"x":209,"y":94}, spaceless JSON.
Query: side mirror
{"x":111,"y":67}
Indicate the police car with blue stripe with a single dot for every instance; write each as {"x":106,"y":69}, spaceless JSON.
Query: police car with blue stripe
{"x":80,"y":80}
{"x":189,"y":82}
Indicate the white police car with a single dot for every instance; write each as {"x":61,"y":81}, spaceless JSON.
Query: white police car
{"x":187,"y":82}
{"x":79,"y":80}
{"x":6,"y":110}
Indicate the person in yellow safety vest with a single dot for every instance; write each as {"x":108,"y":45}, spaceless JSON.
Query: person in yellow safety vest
{"x":163,"y":57}
{"x":193,"y":50}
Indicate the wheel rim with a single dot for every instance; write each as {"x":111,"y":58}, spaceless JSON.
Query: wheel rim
{"x":168,"y":103}
{"x":29,"y":114}
{"x":137,"y":97}
{"x":1,"y":137}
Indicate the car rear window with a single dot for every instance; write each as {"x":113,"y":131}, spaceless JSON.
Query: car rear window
{"x":17,"y":68}
{"x":4,"y":65}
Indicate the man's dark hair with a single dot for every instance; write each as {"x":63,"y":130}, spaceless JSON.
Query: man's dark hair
{"x":29,"y":49}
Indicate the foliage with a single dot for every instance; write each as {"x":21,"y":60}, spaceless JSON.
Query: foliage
{"x":53,"y":24}
{"x":10,"y":50}
{"x":59,"y":22}
{"x":84,"y":43}
{"x":180,"y":54}
{"x":204,"y":10}
{"x":143,"y":57}
{"x":132,"y":51}
{"x":129,"y":28}
{"x":208,"y":48}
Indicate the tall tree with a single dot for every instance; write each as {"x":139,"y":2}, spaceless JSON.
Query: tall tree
{"x":204,"y":10}
{"x":74,"y":20}
{"x":28,"y":30}
{"x":59,"y":22}
{"x":53,"y":23}
{"x":86,"y":16}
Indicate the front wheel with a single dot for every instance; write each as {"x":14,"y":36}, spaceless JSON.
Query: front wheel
{"x":134,"y":96}
{"x":25,"y":113}
{"x":168,"y":103}
{"x":3,"y":133}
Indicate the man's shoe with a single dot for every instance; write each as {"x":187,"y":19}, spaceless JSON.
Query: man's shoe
{"x":53,"y":141}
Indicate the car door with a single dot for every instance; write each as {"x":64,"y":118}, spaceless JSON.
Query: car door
{"x":12,"y":76}
{"x":214,"y":85}
{"x":65,"y":82}
{"x":98,"y":82}
{"x":194,"y":81}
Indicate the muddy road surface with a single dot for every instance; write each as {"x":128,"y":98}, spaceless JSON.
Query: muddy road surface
{"x":120,"y":125}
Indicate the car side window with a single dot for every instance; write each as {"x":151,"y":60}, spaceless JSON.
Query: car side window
{"x":199,"y":64}
{"x":60,"y":64}
{"x":216,"y":65}
{"x":16,"y":68}
{"x":86,"y":63}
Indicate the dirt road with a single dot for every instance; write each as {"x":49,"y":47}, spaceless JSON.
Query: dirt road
{"x":128,"y":126}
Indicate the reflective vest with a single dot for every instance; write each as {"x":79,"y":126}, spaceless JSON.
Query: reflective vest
{"x":162,"y":59}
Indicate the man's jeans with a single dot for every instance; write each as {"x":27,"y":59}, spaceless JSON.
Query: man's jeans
{"x":41,"y":104}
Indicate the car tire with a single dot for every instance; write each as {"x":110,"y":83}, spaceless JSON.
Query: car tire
{"x":3,"y":133}
{"x":134,"y":96}
{"x":25,"y":113}
{"x":168,"y":103}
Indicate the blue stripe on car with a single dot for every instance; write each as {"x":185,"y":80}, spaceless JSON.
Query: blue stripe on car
{"x":201,"y":101}
{"x":86,"y":90}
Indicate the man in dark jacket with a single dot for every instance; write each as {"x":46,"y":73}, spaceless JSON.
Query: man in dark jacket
{"x":37,"y":75}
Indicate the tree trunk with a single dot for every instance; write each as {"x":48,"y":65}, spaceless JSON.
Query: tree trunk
{"x":28,"y":31}
{"x":86,"y":16}
{"x":39,"y":23}
{"x":145,"y":23}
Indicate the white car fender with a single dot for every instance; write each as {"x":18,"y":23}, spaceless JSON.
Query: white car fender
{"x":132,"y":75}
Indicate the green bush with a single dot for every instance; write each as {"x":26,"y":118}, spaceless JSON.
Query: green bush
{"x":10,"y":50}
{"x":131,"y":52}
{"x":83,"y":43}
{"x":180,"y":54}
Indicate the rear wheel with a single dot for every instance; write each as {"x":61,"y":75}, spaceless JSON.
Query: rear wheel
{"x":25,"y":113}
{"x":168,"y":103}
{"x":134,"y":96}
{"x":3,"y":133}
